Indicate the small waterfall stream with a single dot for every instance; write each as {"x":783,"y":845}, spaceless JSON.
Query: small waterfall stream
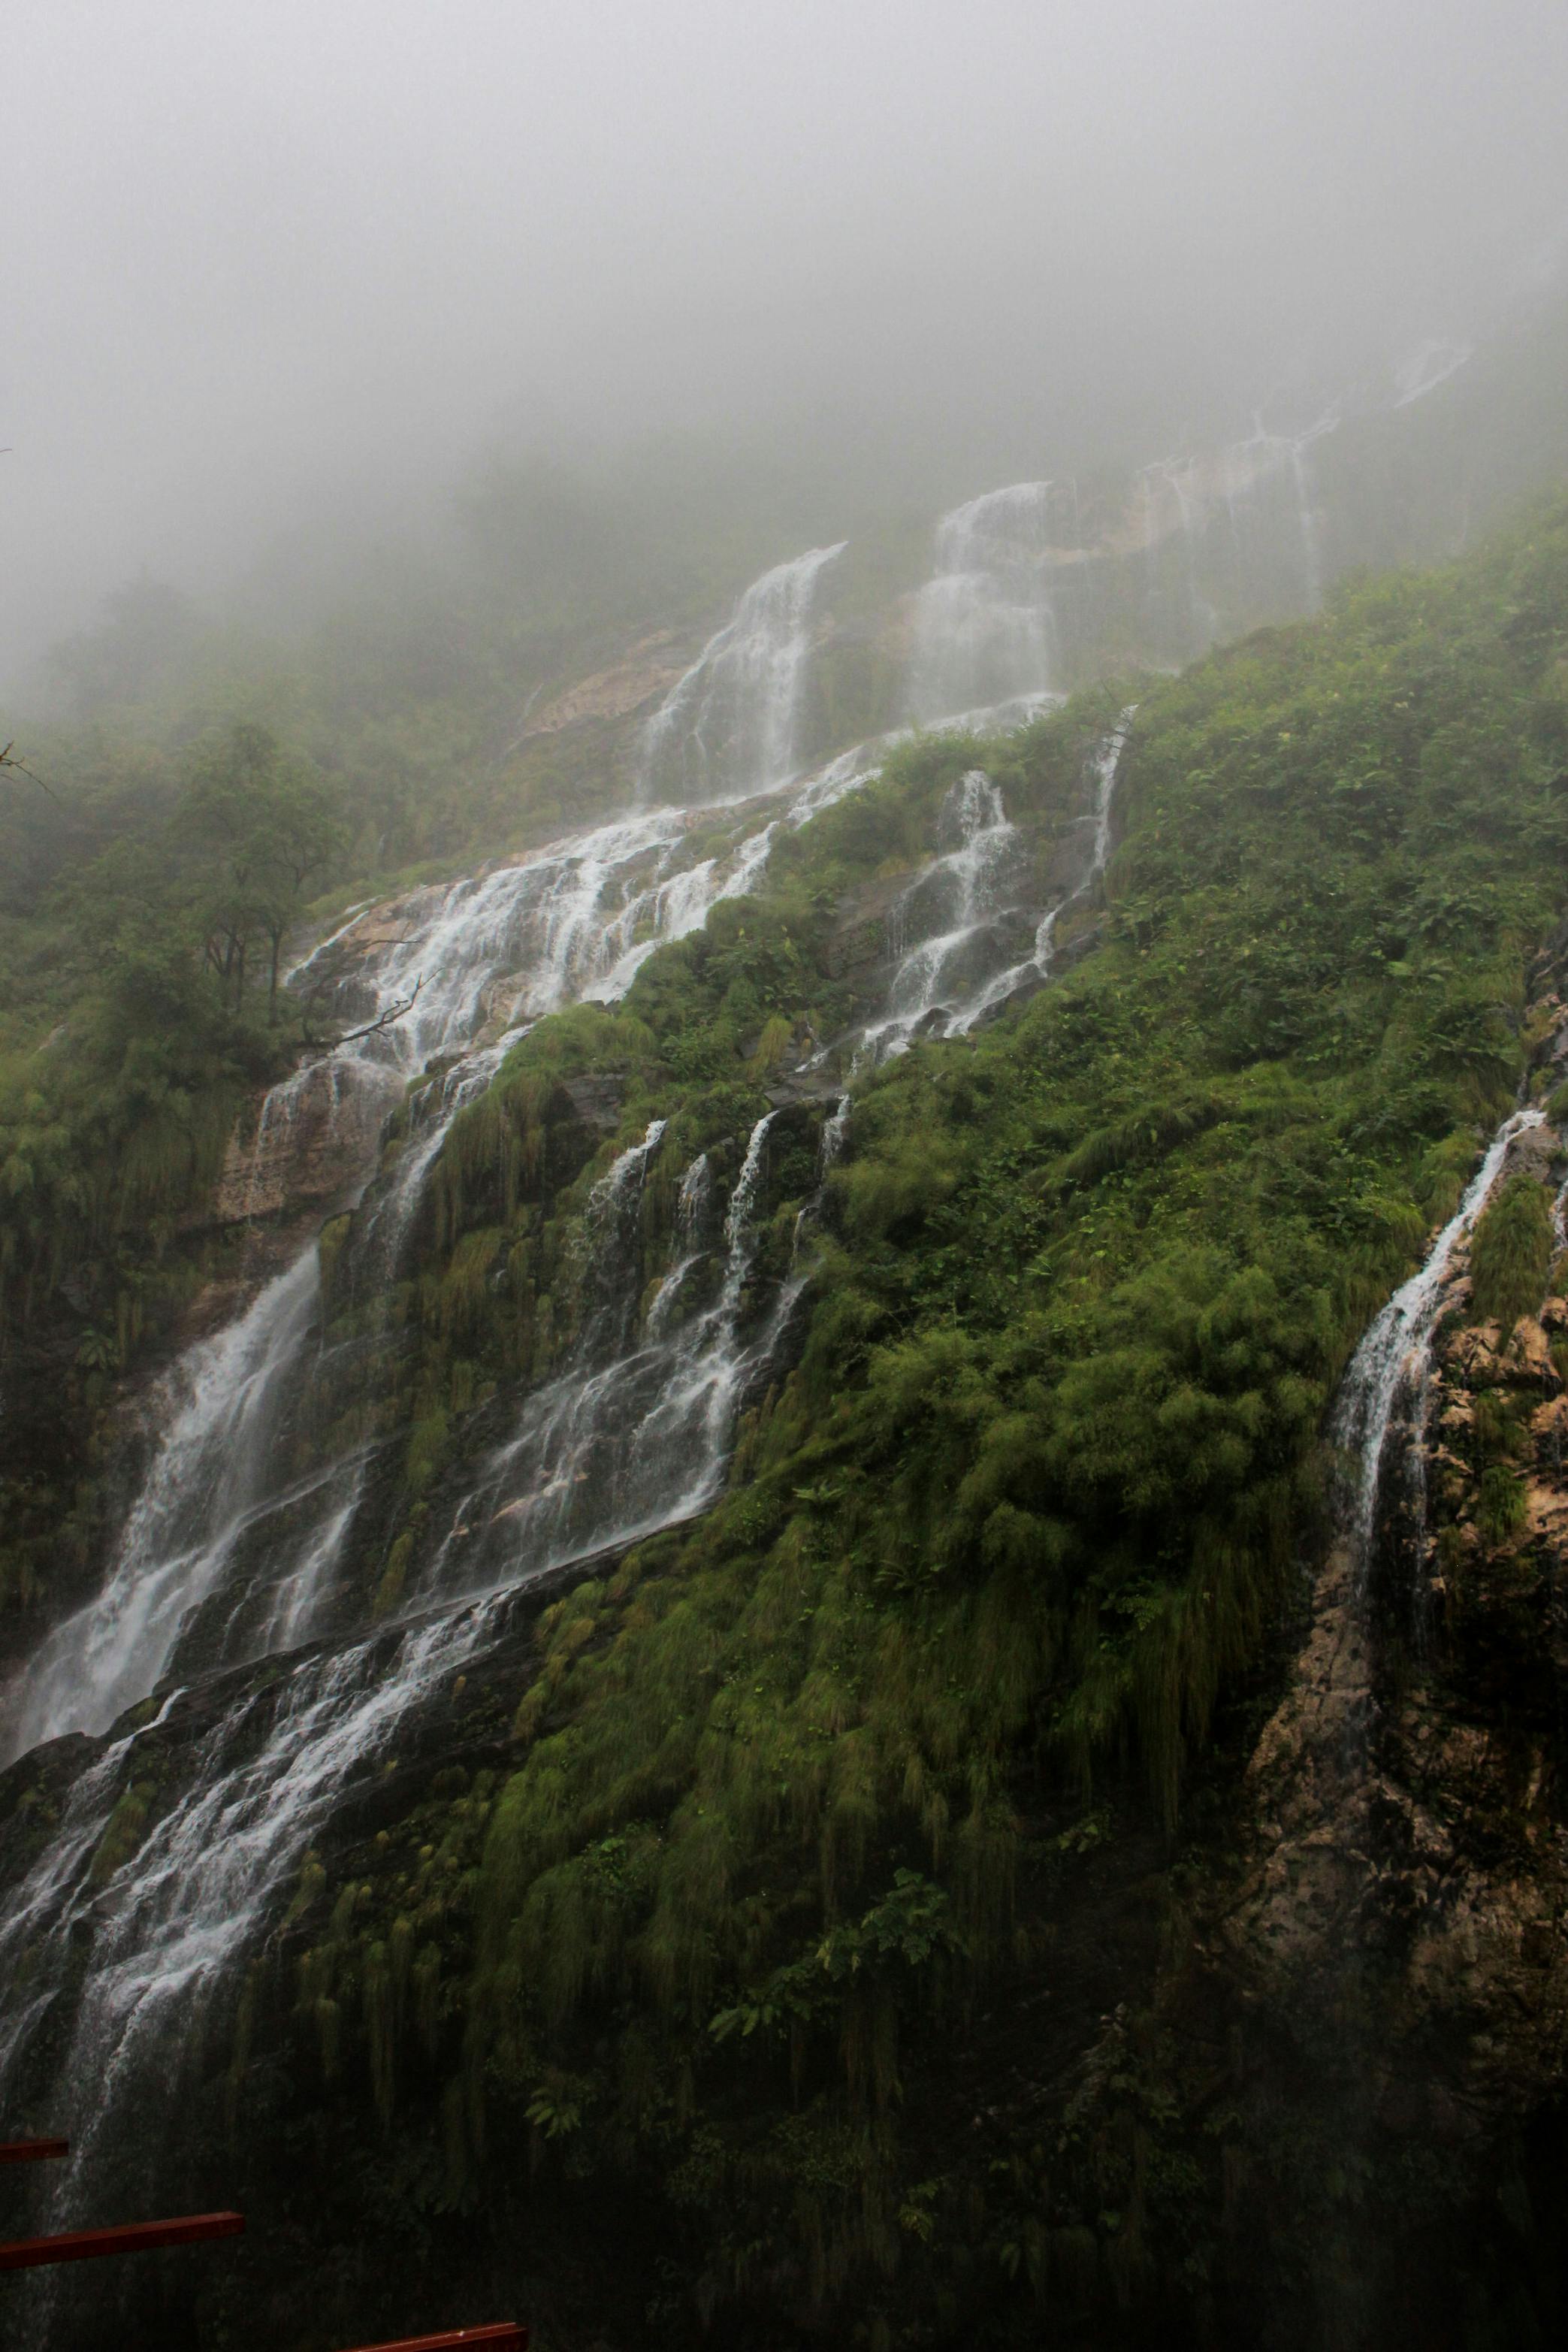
{"x":634,"y":1433}
{"x":208,"y":1478}
{"x":939,"y":926}
{"x":952,"y":927}
{"x":1393,"y":1358}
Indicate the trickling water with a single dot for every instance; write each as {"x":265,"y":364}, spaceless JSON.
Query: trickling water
{"x":960,"y":892}
{"x":1395,"y":1354}
{"x":635,"y":1432}
{"x":959,"y":970}
{"x":729,"y":726}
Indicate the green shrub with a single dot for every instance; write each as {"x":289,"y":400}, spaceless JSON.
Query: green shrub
{"x":1510,"y":1253}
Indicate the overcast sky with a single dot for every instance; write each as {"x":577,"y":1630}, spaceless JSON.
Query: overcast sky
{"x":264,"y":257}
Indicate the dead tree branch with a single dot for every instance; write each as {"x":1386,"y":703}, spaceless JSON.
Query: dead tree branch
{"x":386,"y":1020}
{"x":8,"y":760}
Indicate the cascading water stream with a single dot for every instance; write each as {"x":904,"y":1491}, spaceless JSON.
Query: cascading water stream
{"x":171,"y":1927}
{"x":694,"y":1210}
{"x":950,"y":974}
{"x":633,"y":1435}
{"x":207,"y":1481}
{"x":1004,"y":985}
{"x":961,"y":892}
{"x":1395,"y":1354}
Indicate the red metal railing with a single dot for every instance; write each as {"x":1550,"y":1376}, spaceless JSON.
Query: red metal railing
{"x":131,"y":2238}
{"x":189,"y":2229}
{"x":504,"y":2336}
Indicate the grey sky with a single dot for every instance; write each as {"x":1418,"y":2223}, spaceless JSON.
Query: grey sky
{"x":262,"y":255}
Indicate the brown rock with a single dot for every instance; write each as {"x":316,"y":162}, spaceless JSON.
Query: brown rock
{"x":1529,"y":1353}
{"x":308,"y":1144}
{"x":611,"y":693}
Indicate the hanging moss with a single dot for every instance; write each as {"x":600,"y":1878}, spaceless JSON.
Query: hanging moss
{"x":1503,"y":1504}
{"x":126,"y":1828}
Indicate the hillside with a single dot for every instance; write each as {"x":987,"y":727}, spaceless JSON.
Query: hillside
{"x":707,"y":1666}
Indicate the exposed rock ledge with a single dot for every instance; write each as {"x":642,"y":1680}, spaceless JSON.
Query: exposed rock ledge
{"x":308,"y":1146}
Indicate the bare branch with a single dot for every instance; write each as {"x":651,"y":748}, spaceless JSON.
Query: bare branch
{"x":394,"y":1013}
{"x":6,"y":760}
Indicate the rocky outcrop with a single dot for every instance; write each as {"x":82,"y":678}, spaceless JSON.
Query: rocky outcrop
{"x":1403,"y":1892}
{"x":307,"y":1146}
{"x":649,"y":668}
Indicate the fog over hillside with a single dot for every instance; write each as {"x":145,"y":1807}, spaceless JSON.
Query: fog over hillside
{"x":290,"y":278}
{"x":784,"y":1175}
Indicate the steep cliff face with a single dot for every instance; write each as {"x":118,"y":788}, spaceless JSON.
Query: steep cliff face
{"x":1407,"y":1897}
{"x":683,"y":1676}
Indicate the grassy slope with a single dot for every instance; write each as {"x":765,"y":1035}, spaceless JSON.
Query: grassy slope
{"x":795,"y":1797}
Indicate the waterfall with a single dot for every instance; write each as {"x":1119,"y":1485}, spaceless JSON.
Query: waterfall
{"x":171,"y":1927}
{"x":961,"y":970}
{"x":231,"y":1547}
{"x":223,"y":1401}
{"x":728,"y":727}
{"x":1429,"y":365}
{"x":226,"y":1522}
{"x":985,"y":630}
{"x":694,"y":1209}
{"x":949,"y":909}
{"x":1394,"y":1353}
{"x":672,"y":907}
{"x":635,"y":1432}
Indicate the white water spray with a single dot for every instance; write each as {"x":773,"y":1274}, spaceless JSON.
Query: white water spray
{"x":729,"y":726}
{"x":985,"y":630}
{"x":1394,"y":1353}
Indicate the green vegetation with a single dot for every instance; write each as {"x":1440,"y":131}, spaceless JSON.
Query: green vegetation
{"x":1025,"y":1509}
{"x":1510,"y":1253}
{"x":130,"y":1040}
{"x":770,"y":1817}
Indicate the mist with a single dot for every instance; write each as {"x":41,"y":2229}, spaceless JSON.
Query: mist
{"x":289,"y":278}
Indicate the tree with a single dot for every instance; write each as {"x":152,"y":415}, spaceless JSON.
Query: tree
{"x":264,"y":824}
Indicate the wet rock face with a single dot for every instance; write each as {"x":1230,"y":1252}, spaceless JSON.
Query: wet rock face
{"x":1405,"y":1807}
{"x":315,"y":1154}
{"x":596,"y":1101}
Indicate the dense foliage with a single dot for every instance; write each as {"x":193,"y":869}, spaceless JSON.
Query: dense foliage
{"x":155,"y":960}
{"x":790,"y":1791}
